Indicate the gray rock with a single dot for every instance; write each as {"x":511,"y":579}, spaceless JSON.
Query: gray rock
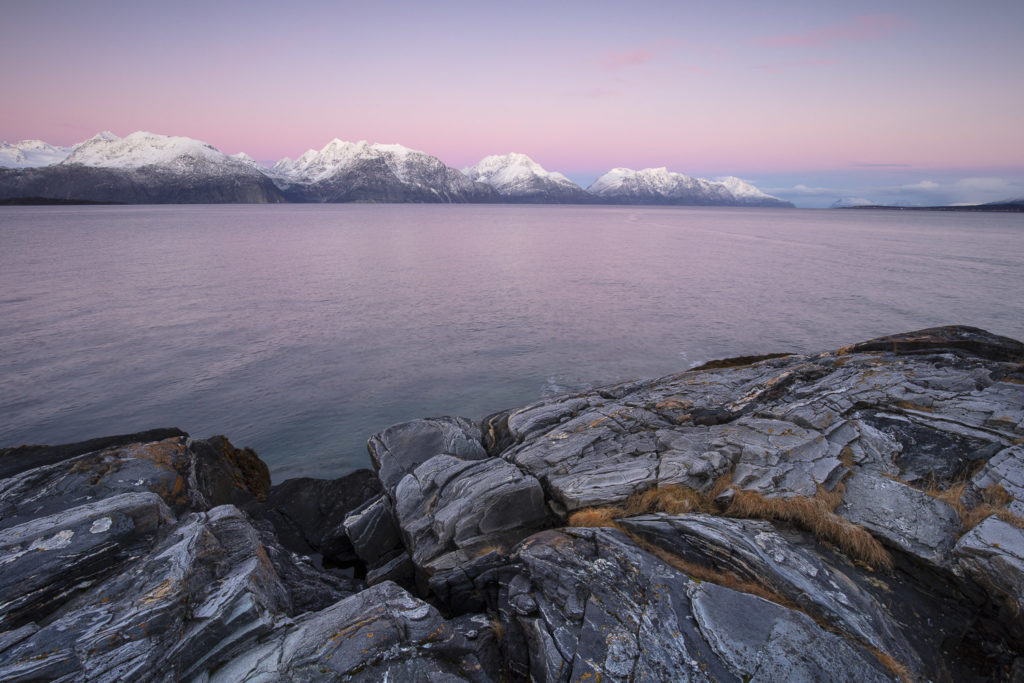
{"x":782,"y":457}
{"x":398,"y":569}
{"x":22,"y":458}
{"x":226,"y":475}
{"x":309,"y":585}
{"x":204,"y":594}
{"x":791,"y":566}
{"x":373,"y":531}
{"x":761,"y":641}
{"x":309,"y":514}
{"x":49,"y":559}
{"x":188,"y":590}
{"x":971,"y":340}
{"x":591,"y":603}
{"x":1005,"y":469}
{"x":992,"y":553}
{"x":162,"y":467}
{"x":448,"y":504}
{"x":909,"y":519}
{"x":400,"y":449}
{"x":378,"y":634}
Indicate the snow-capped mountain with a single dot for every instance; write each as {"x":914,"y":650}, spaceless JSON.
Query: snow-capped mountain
{"x":150,"y":168}
{"x":661,"y":186}
{"x":143,"y":168}
{"x":358,"y":171}
{"x":141,"y":149}
{"x":31,"y":153}
{"x":518,"y":178}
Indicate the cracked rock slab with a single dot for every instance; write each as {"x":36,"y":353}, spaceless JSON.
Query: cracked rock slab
{"x":592,"y":604}
{"x":903,"y":516}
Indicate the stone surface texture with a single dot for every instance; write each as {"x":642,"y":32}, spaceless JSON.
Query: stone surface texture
{"x":461,"y":555}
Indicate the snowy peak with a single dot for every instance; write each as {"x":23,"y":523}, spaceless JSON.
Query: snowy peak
{"x":182,"y":169}
{"x":360,"y":171}
{"x":338,"y":156}
{"x":741,"y":188}
{"x":661,"y":186}
{"x":505,"y":169}
{"x":518,"y":177}
{"x":31,"y":154}
{"x":139,"y":149}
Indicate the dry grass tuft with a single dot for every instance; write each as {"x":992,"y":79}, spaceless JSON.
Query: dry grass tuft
{"x":994,"y":500}
{"x":815,"y":515}
{"x":498,"y":628}
{"x":675,"y":500}
{"x":846,"y":457}
{"x":1010,"y":518}
{"x":886,"y":660}
{"x":603,"y":516}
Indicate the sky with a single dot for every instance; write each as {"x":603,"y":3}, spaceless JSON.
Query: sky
{"x":912,"y":102}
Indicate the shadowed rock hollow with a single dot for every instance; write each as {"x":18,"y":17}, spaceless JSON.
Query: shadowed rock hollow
{"x":852,"y":515}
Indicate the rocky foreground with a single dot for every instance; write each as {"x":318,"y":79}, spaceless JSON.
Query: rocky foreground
{"x":855,"y":515}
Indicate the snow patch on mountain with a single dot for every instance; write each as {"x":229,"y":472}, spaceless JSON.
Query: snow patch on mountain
{"x":741,"y":188}
{"x":31,"y":154}
{"x":659,"y":185}
{"x":509,"y":170}
{"x":337,"y":156}
{"x":141,"y":149}
{"x":517,"y":176}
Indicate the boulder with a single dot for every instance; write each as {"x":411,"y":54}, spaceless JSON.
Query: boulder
{"x":400,"y":449}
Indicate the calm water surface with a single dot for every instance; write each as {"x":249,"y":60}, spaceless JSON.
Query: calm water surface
{"x":301,"y":330}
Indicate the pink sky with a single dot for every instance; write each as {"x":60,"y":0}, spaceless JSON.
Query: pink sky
{"x":755,"y":89}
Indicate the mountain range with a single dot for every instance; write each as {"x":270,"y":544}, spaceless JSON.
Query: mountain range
{"x":146,"y":168}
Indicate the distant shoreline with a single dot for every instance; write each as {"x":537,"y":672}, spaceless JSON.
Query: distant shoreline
{"x":49,"y":201}
{"x":1007,"y":207}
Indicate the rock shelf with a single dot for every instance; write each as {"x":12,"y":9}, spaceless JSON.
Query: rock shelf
{"x":852,"y":515}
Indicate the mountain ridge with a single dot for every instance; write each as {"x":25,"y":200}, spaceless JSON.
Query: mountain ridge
{"x":150,"y":168}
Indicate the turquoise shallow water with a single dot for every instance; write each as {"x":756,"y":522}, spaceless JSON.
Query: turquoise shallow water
{"x":301,"y":330}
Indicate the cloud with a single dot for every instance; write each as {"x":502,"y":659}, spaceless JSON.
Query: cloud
{"x":863,"y":164}
{"x":923,"y":185}
{"x":804,"y":191}
{"x":776,"y":68}
{"x":630,"y":58}
{"x":860,"y":29}
{"x":665,"y":51}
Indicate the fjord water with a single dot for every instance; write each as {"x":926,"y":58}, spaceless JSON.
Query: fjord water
{"x":301,"y":330}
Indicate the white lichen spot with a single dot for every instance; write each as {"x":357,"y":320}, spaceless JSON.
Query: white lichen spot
{"x":100,"y":525}
{"x":61,"y":539}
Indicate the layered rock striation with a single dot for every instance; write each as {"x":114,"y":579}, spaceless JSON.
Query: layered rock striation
{"x":851,"y":515}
